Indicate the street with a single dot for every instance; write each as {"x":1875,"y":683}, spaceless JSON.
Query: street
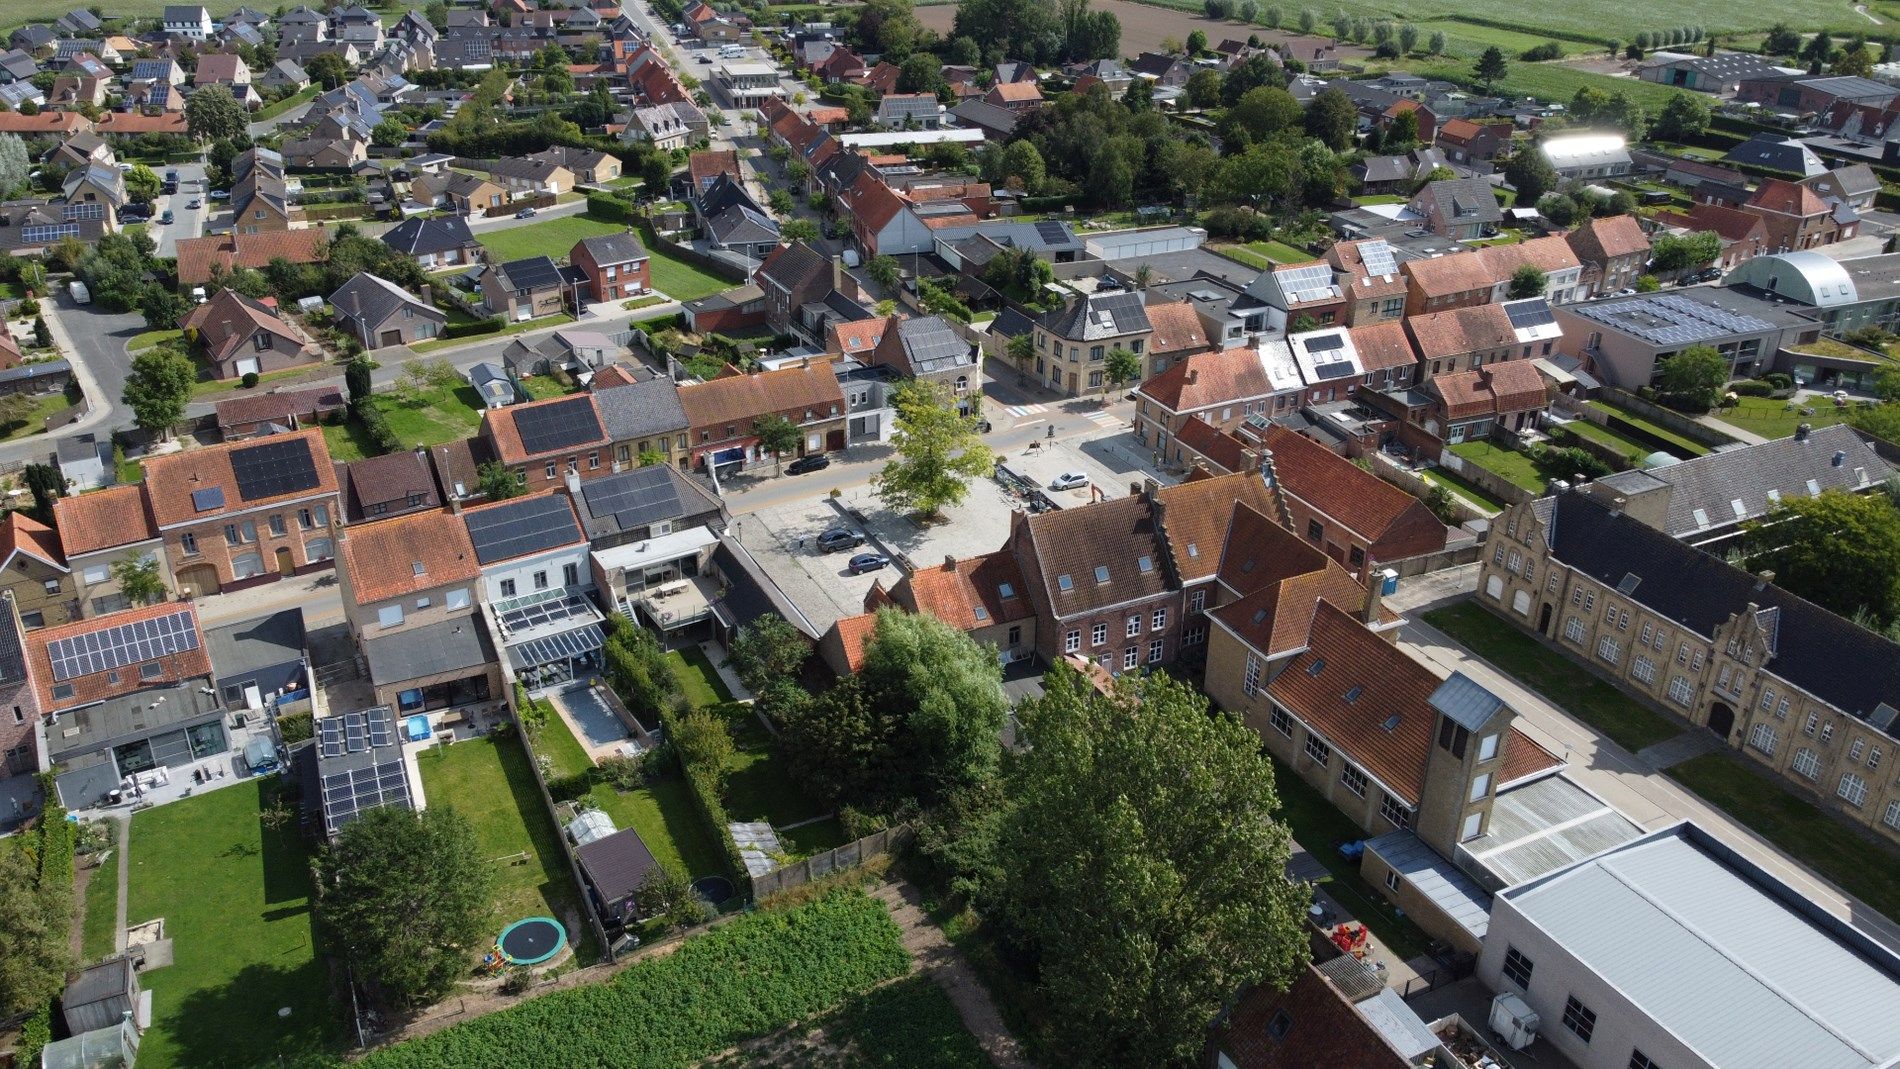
{"x":187,"y":222}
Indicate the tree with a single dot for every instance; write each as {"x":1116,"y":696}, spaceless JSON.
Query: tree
{"x":766,"y":650}
{"x":1248,"y":11}
{"x":938,"y":452}
{"x":1527,"y":281}
{"x":35,"y":931}
{"x":356,"y":376}
{"x":47,"y":486}
{"x":1685,"y":253}
{"x":1203,"y":89}
{"x":1558,"y":208}
{"x":14,"y":164}
{"x":42,"y":334}
{"x":1307,"y":20}
{"x":1122,"y":366}
{"x":1022,"y":163}
{"x":1021,"y":351}
{"x":1839,"y":550}
{"x":1263,"y":112}
{"x":142,"y":184}
{"x":666,"y":896}
{"x":1491,"y":67}
{"x":703,"y":741}
{"x":212,"y":113}
{"x":389,"y":133}
{"x":162,"y":306}
{"x":1438,"y":43}
{"x":497,"y":483}
{"x":792,"y":230}
{"x":1332,"y":117}
{"x":1408,"y":38}
{"x":883,"y":270}
{"x":1144,"y":875}
{"x":1530,"y":174}
{"x":157,"y":388}
{"x":1196,"y":43}
{"x":1818,"y":50}
{"x":1683,"y":118}
{"x":139,"y":579}
{"x":408,"y":894}
{"x":1402,"y":131}
{"x":1781,"y":41}
{"x":777,"y":435}
{"x":328,"y":69}
{"x":921,"y":73}
{"x":1693,"y":379}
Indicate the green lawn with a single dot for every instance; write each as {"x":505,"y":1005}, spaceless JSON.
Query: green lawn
{"x":542,"y":387}
{"x":1772,"y":418}
{"x":520,"y":327}
{"x":150,"y":338}
{"x":235,"y":896}
{"x":664,"y":815}
{"x":1462,"y":487}
{"x":555,"y":741}
{"x":218,"y":389}
{"x":1632,"y":450}
{"x":488,"y":780}
{"x":1687,"y":447}
{"x":680,"y":280}
{"x":1506,"y":463}
{"x":1320,"y":828}
{"x":307,"y":93}
{"x":1562,"y":681}
{"x":1797,"y":826}
{"x":553,"y":237}
{"x":438,"y":416}
{"x":100,"y":931}
{"x":697,"y":677}
{"x":1278,"y":252}
{"x":1240,"y":254}
{"x":35,"y":420}
{"x":1553,"y":81}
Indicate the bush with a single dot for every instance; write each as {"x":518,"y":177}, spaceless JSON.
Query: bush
{"x":1568,"y":462}
{"x":610,"y":208}
{"x":29,"y":307}
{"x":621,"y":772}
{"x":1752,"y":388}
{"x":295,"y":727}
{"x":571,"y":788}
{"x":376,"y":425}
{"x":1547,"y":50}
{"x":1779,"y":380}
{"x":250,"y":380}
{"x":491,"y":325}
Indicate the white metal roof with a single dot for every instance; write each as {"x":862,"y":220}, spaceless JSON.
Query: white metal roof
{"x":1277,"y":360}
{"x":1582,"y":150}
{"x":656,"y":550}
{"x":1727,"y":959}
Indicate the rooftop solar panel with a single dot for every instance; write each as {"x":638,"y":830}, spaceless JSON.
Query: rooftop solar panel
{"x":1052,"y":233}
{"x":1378,"y":258}
{"x":1336,"y":370}
{"x":122,"y":645}
{"x":562,"y":425}
{"x":1324,"y":343}
{"x":274,"y":468}
{"x":1529,"y":314}
{"x":208,"y":499}
{"x":520,"y":527}
{"x":634,"y":498}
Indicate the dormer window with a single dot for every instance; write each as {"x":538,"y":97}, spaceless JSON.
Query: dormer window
{"x":419,"y":568}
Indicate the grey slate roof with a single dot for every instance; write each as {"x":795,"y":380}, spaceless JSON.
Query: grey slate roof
{"x":1713,"y":484}
{"x":1849,"y":667}
{"x":641,"y":497}
{"x":253,"y":645}
{"x":615,"y":248}
{"x":429,"y":234}
{"x":1098,"y":316}
{"x":1465,"y":701}
{"x":1779,"y":153}
{"x":616,"y":865}
{"x":378,"y":297}
{"x":448,"y":646}
{"x":1734,"y":964}
{"x":18,"y":63}
{"x":641,"y":409}
{"x":930,"y":346}
{"x":1464,"y":200}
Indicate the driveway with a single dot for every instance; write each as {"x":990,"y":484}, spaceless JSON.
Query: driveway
{"x":187,"y":222}
{"x":94,"y":341}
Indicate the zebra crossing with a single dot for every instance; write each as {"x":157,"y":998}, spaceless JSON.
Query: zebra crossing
{"x":1103,"y":419}
{"x":1020,"y":411}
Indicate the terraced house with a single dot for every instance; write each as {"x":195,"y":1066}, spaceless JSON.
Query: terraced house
{"x":1800,"y":691}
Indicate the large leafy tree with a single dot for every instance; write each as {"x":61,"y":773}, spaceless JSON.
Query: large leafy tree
{"x":14,"y":164}
{"x":1672,"y":253}
{"x":1527,"y":281}
{"x":139,"y":579}
{"x":35,"y":933}
{"x":1144,"y":873}
{"x":938,"y":452}
{"x":922,"y":718}
{"x":158,"y":387}
{"x":1262,"y":113}
{"x":212,"y":114}
{"x":767,"y":650}
{"x":1693,"y":378}
{"x":1332,"y":117}
{"x":1838,"y":550}
{"x":1530,"y":174}
{"x":1682,"y":117}
{"x":408,"y":893}
{"x":777,"y":435}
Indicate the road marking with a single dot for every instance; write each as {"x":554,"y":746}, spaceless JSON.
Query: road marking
{"x":1104,"y":419}
{"x":1025,"y":410}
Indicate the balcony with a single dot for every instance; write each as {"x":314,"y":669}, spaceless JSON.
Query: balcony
{"x":676,"y":604}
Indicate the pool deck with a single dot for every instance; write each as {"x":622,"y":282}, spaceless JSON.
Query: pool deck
{"x":595,"y":725}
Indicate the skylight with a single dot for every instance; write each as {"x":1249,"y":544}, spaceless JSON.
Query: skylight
{"x":1392,"y":722}
{"x":982,"y":613}
{"x":1145,"y":563}
{"x":1353,"y":694}
{"x":1006,"y":591}
{"x":1194,"y":550}
{"x":1065,"y":583}
{"x":1101,"y":573}
{"x":1318,"y":666}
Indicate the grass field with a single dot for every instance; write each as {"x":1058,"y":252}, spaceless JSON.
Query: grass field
{"x":1505,"y":463}
{"x":662,"y":812}
{"x":307,"y":93}
{"x":1463,"y":487}
{"x":550,"y":238}
{"x":1631,"y":449}
{"x":34,"y":422}
{"x":1678,"y":444}
{"x":1771,"y":418}
{"x":488,"y":780}
{"x":439,"y":416}
{"x":1797,"y":826}
{"x":909,"y":1023}
{"x":1319,"y":827}
{"x":219,"y":389}
{"x":235,"y":896}
{"x":100,"y":929}
{"x":1549,"y":673}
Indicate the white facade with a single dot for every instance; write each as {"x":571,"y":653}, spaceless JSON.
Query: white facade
{"x":564,"y":567}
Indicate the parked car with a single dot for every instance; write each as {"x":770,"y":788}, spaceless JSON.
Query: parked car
{"x":1069,"y":480}
{"x":839,"y":538}
{"x":194,"y":203}
{"x":867,"y":562}
{"x":220,"y":194}
{"x":81,"y":295}
{"x":525,"y":213}
{"x":165,"y":216}
{"x":815,"y":462}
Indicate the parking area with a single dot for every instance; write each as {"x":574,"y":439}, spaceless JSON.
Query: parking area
{"x":784,"y":537}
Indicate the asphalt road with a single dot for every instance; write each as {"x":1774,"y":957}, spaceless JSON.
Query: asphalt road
{"x":187,"y":222}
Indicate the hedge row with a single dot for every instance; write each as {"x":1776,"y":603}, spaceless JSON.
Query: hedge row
{"x":748,"y":978}
{"x":491,"y":325}
{"x":55,"y":842}
{"x":609,"y":208}
{"x":376,"y":426}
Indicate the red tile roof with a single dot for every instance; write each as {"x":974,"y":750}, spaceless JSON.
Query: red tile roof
{"x":24,"y":534}
{"x":742,"y":399}
{"x":1508,"y":386}
{"x":1607,"y":238}
{"x":1383,"y":345}
{"x":853,"y":633}
{"x":1787,"y":198}
{"x":395,"y":558}
{"x":499,"y":424}
{"x":956,"y":590}
{"x":1461,"y":272}
{"x":170,"y":480}
{"x":1205,"y":380}
{"x":853,"y":339}
{"x":1016,"y":92}
{"x":1323,"y":1031}
{"x":1523,"y":756}
{"x":1196,"y":516}
{"x":1359,"y":500}
{"x":229,"y":321}
{"x":279,"y":406}
{"x":103,"y":519}
{"x":708,"y":164}
{"x":126,"y":679}
{"x":46,"y":122}
{"x":1176,"y":326}
{"x":1342,"y":657}
{"x":1475,"y":329}
{"x":196,"y":255}
{"x":1222,"y":450}
{"x":132,"y":122}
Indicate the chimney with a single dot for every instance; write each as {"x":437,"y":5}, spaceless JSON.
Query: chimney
{"x":1376,"y":581}
{"x":573,"y":483}
{"x":949,"y":562}
{"x":1762,"y":579}
{"x":428,"y":294}
{"x":1194,"y":375}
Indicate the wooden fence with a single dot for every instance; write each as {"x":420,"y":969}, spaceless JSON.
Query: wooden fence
{"x":799,"y":873}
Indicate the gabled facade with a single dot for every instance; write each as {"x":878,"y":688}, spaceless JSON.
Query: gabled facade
{"x":245,"y":512}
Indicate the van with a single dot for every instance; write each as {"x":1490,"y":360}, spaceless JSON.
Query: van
{"x":731,"y":51}
{"x":81,"y":295}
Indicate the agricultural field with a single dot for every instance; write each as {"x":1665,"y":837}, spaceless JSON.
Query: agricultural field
{"x":740,"y":981}
{"x":910,"y":1023}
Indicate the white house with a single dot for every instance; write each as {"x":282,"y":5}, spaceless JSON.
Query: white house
{"x":191,"y":23}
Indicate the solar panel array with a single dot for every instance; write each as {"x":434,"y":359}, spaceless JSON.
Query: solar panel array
{"x":121,"y":645}
{"x":635,"y":497}
{"x":1527,"y":314}
{"x":933,"y":346}
{"x":274,"y":468}
{"x":1378,"y":258}
{"x":1314,"y":282}
{"x":533,"y":272}
{"x":208,"y":499}
{"x":520,"y":527}
{"x":1674,"y":320}
{"x":1053,"y":233}
{"x":1324,"y":343}
{"x":545,"y":611}
{"x":562,"y":425}
{"x":1338,"y":369}
{"x":351,"y":789}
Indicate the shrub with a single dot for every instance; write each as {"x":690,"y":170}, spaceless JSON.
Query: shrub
{"x":29,"y":307}
{"x":250,"y":380}
{"x":1752,"y":388}
{"x":295,"y":727}
{"x":491,"y":325}
{"x":376,"y":425}
{"x":623,"y":773}
{"x":610,"y":208}
{"x":1779,"y":380}
{"x":1547,"y":50}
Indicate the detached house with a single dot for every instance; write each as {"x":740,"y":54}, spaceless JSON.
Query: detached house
{"x":435,"y":242}
{"x":228,"y":70}
{"x":613,"y":266}
{"x":1458,"y":208}
{"x":379,"y":313}
{"x":531,"y":176}
{"x":242,"y":336}
{"x":189,"y":23}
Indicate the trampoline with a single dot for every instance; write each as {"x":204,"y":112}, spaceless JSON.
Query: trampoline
{"x":713,"y":889}
{"x":531,"y":941}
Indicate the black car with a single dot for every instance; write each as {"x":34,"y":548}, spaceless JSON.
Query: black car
{"x":867,"y":562}
{"x":839,"y":538}
{"x":815,"y":462}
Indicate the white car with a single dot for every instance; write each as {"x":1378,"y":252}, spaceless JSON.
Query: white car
{"x":1069,"y":480}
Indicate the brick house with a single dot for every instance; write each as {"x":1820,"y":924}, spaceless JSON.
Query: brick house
{"x":1613,"y":251}
{"x":1221,"y":388}
{"x":1354,"y":515}
{"x":20,"y":743}
{"x":1690,"y":633}
{"x":379,"y":313}
{"x":1072,"y":343}
{"x":99,"y":529}
{"x":616,"y":266}
{"x":1797,"y":218}
{"x":1473,"y":405}
{"x":983,"y":597}
{"x":1099,"y":579}
{"x":36,"y":575}
{"x":242,"y":336}
{"x":245,"y":512}
{"x":1445,"y":282}
{"x":542,"y":441}
{"x":1374,"y":288}
{"x":721,"y":414}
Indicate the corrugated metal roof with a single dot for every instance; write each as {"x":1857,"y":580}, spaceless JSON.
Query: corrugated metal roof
{"x":1465,"y":701}
{"x":1454,"y":893}
{"x":1729,"y":961}
{"x":1399,"y":1024}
